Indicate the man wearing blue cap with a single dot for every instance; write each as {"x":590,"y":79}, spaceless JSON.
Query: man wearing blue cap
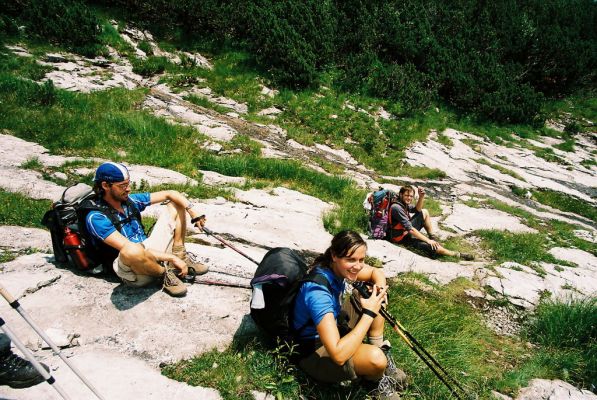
{"x":141,"y":260}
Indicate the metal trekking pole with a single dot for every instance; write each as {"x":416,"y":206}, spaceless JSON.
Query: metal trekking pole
{"x":211,"y":233}
{"x":414,"y":345}
{"x":15,"y":304}
{"x":191,"y":277}
{"x":36,"y":364}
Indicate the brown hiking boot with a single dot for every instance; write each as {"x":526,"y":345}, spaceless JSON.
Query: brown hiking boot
{"x":467,"y":256}
{"x":189,"y":259}
{"x":172,"y":283}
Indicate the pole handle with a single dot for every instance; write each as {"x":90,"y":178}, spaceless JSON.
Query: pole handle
{"x":6,"y":294}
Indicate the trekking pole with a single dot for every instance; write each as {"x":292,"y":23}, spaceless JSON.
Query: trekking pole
{"x":211,"y":233}
{"x":36,"y":364}
{"x":191,"y":277}
{"x":15,"y":304}
{"x":414,"y":345}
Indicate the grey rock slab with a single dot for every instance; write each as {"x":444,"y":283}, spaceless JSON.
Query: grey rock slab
{"x":145,"y":323}
{"x":214,"y":179}
{"x":398,"y":259}
{"x":579,"y":257}
{"x":149,"y":174}
{"x":524,"y":286}
{"x":15,"y":151}
{"x":467,"y":219}
{"x":281,"y":217}
{"x":114,"y":375}
{"x":28,"y":274}
{"x":543,"y":389}
{"x":459,"y":163}
{"x":29,"y":183}
{"x":465,"y":189}
{"x":218,"y":132}
{"x":20,"y":238}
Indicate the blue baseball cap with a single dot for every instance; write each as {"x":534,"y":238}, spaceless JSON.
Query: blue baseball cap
{"x":111,"y":172}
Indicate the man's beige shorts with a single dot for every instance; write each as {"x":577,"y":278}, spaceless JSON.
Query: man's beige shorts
{"x":160,"y":239}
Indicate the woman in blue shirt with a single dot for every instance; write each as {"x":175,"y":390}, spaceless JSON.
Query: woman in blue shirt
{"x":335,"y":330}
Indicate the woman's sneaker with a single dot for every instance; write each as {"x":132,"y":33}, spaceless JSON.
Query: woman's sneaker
{"x":172,"y":283}
{"x":398,"y":376}
{"x":385,"y":389}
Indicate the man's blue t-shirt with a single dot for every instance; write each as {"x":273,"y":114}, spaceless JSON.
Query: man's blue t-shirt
{"x":313,"y":301}
{"x":100,"y":227}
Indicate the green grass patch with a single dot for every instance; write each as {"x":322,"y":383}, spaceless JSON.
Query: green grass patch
{"x":566,"y":333}
{"x":523,"y":248}
{"x":565,"y":202}
{"x":349,"y":214}
{"x":440,"y":319}
{"x":17,"y":209}
{"x":101,"y":124}
{"x":579,"y":106}
{"x":548,"y":154}
{"x":588,"y":163}
{"x":445,"y":140}
{"x":566,"y":145}
{"x":325,"y":187}
{"x":25,"y":67}
{"x":417,"y":172}
{"x":204,"y":102}
{"x":500,"y":168}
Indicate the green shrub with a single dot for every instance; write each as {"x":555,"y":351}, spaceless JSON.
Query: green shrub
{"x":64,"y":22}
{"x":145,"y":47}
{"x":280,"y":34}
{"x":402,"y":83}
{"x":151,"y":66}
{"x":8,"y":26}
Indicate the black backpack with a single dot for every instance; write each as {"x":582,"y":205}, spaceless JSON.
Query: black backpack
{"x":71,"y":241}
{"x":279,"y":275}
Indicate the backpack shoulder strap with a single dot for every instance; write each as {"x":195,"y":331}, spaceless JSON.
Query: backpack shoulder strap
{"x":315,"y":277}
{"x":134,"y":214}
{"x":94,"y":204}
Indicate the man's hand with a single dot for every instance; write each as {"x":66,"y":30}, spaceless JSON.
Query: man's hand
{"x":434,"y":244}
{"x":421,"y":191}
{"x":201,"y":223}
{"x":180,"y":265}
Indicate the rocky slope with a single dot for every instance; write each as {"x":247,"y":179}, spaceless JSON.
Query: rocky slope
{"x":121,"y":335}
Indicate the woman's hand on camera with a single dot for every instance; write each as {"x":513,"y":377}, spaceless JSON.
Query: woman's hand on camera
{"x":375,"y":301}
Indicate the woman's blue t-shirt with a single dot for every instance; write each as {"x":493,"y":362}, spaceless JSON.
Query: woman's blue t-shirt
{"x":313,"y":301}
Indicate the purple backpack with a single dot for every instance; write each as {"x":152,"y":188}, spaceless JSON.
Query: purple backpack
{"x":380,"y":201}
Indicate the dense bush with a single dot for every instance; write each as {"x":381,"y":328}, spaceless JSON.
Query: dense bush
{"x":495,"y":59}
{"x":65,"y":22}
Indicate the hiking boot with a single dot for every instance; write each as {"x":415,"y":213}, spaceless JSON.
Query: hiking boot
{"x":398,"y":376}
{"x":172,"y":283}
{"x":17,"y":372}
{"x":385,"y":389}
{"x":467,"y":256}
{"x":190,"y":260}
